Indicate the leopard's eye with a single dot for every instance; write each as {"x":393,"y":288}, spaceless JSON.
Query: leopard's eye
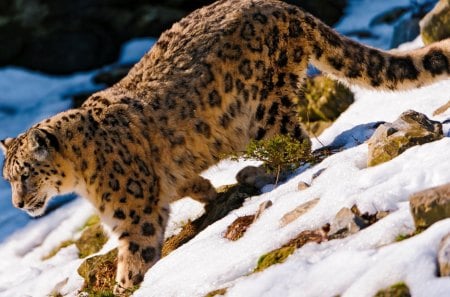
{"x":24,"y":176}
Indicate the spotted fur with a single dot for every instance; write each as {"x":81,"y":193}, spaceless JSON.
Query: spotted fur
{"x":224,"y":75}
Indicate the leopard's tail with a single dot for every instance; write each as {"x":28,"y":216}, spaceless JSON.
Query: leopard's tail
{"x":376,"y":69}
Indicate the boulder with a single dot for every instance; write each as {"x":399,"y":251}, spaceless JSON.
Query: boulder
{"x":391,"y":139}
{"x":430,"y":206}
{"x":325,"y":99}
{"x":435,"y":25}
{"x":255,"y":176}
{"x":61,"y":37}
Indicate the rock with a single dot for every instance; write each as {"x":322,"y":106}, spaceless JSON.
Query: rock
{"x":237,"y":229}
{"x":388,"y":17}
{"x":318,"y":173}
{"x":397,"y":290}
{"x":435,"y":25}
{"x":62,"y":37}
{"x":91,"y":240}
{"x":329,"y":11}
{"x":348,"y":221}
{"x":255,"y":177}
{"x":442,"y":109}
{"x":302,"y":186}
{"x":306,"y":236}
{"x":111,"y":75}
{"x":444,"y":256}
{"x":344,"y":224}
{"x":392,"y":139}
{"x":228,"y":199}
{"x":430,"y":206}
{"x":325,"y":99}
{"x":406,"y":30}
{"x":298,"y":211}
{"x":262,"y":207}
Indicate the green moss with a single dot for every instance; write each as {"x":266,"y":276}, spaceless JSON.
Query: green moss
{"x":436,"y":24}
{"x":222,"y":291}
{"x":324,"y":100}
{"x":274,"y":257}
{"x":91,"y":221}
{"x":401,"y":237}
{"x":91,"y":240}
{"x":56,"y":250}
{"x":396,"y":290}
{"x":99,"y":274}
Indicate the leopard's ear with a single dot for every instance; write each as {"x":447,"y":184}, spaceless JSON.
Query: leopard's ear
{"x":40,"y":142}
{"x":5,"y":143}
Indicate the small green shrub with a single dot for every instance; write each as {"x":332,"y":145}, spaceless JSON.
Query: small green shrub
{"x":279,"y":153}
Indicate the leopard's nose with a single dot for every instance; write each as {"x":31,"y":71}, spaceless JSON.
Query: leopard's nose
{"x":20,"y":204}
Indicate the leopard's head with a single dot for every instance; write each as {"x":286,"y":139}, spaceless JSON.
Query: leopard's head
{"x":31,"y":163}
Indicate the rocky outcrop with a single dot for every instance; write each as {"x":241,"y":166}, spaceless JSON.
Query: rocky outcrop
{"x":435,"y":25}
{"x":391,"y":139}
{"x":430,"y":206}
{"x":66,"y":36}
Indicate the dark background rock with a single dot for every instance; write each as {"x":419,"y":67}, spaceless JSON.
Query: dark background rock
{"x":435,"y":25}
{"x":60,"y":37}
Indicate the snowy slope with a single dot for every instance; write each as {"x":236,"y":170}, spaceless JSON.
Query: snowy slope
{"x":358,"y":265}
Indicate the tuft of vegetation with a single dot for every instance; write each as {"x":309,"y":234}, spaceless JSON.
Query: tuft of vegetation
{"x":99,"y":274}
{"x":279,"y":153}
{"x":396,"y":290}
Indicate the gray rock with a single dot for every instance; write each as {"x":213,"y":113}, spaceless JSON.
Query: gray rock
{"x":430,"y":206}
{"x":391,"y":139}
{"x":298,"y":211}
{"x":61,"y":37}
{"x":344,"y":224}
{"x":255,"y":177}
{"x":302,"y":186}
{"x":444,"y":256}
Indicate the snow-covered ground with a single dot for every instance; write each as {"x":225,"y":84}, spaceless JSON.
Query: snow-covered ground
{"x":358,"y":265}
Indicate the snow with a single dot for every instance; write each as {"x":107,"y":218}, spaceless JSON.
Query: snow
{"x":358,"y":265}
